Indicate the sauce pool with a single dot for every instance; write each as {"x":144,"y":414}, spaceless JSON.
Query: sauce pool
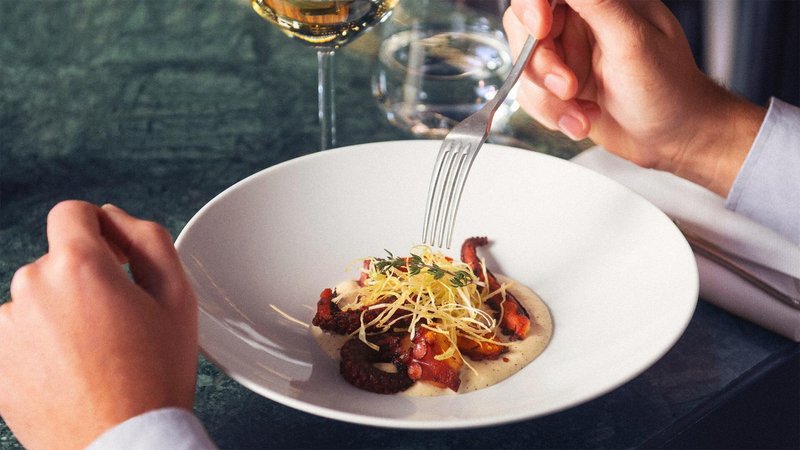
{"x":486,"y":373}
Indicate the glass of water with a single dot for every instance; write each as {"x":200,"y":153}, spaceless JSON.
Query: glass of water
{"x":439,"y":62}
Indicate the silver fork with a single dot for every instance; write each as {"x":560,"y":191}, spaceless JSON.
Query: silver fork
{"x":456,"y":155}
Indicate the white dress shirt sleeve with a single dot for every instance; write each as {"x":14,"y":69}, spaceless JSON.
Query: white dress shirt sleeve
{"x":767,"y":188}
{"x":172,"y":428}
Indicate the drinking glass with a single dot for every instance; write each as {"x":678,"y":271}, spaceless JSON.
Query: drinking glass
{"x":440,"y":61}
{"x":326,"y":25}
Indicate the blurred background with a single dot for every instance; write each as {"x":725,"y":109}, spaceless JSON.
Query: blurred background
{"x":750,"y":46}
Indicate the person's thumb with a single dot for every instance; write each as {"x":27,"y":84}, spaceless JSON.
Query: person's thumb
{"x":610,"y":20}
{"x":623,"y":24}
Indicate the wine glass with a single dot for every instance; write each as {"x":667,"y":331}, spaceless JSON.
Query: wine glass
{"x":325,"y":25}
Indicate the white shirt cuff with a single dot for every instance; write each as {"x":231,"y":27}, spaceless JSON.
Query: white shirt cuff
{"x":172,"y":428}
{"x":767,"y":188}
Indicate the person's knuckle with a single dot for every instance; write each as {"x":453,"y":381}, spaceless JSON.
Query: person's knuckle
{"x":22,"y":281}
{"x":152,"y":230}
{"x":75,"y":260}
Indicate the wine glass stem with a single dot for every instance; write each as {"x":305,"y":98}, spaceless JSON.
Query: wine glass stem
{"x":327,"y":110}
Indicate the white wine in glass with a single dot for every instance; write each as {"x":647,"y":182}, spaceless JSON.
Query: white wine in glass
{"x":326,"y":25}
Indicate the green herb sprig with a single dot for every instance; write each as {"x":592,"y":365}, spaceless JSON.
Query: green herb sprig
{"x":415,"y":266}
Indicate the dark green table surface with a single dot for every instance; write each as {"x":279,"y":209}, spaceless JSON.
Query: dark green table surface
{"x":157,"y":106}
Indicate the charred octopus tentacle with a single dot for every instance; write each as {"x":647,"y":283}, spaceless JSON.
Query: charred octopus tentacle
{"x":331,"y":318}
{"x":420,"y":356}
{"x":514,"y":320}
{"x":480,"y":351}
{"x":357,"y":366}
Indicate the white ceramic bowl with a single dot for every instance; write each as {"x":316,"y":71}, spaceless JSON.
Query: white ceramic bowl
{"x":620,"y":280}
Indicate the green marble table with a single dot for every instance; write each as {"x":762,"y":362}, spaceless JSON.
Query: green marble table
{"x":157,"y":106}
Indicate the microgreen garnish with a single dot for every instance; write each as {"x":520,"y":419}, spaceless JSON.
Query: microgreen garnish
{"x":415,"y":265}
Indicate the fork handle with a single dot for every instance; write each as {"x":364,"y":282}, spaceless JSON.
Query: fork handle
{"x":513,"y":76}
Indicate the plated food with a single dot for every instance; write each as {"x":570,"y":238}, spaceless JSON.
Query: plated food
{"x":248,"y":258}
{"x":425,"y":324}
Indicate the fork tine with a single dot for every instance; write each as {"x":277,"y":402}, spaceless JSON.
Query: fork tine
{"x":444,"y":191}
{"x":437,"y":171}
{"x":451,"y":183}
{"x":435,"y":192}
{"x":449,"y":163}
{"x":458,"y":188}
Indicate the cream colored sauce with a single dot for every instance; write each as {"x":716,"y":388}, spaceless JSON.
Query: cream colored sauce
{"x":486,"y":373}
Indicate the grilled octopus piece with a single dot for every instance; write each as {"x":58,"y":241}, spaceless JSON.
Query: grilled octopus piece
{"x":515,"y":321}
{"x":478,"y":351}
{"x":331,"y":318}
{"x":419,"y":355}
{"x":357,"y":366}
{"x":415,"y":360}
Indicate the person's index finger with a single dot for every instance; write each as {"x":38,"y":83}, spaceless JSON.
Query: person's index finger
{"x":71,"y":221}
{"x":152,"y":258}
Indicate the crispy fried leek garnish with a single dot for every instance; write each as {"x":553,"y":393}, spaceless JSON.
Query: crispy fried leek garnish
{"x":427,"y":290}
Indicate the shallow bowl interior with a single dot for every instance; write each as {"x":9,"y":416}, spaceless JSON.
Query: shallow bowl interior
{"x":619,"y":279}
